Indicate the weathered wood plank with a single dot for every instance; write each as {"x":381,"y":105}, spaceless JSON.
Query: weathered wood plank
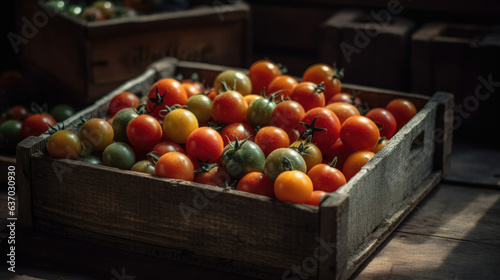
{"x":411,"y":256}
{"x":458,"y":212}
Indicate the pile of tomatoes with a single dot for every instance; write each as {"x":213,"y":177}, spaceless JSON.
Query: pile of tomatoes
{"x":264,"y":132}
{"x":19,"y":122}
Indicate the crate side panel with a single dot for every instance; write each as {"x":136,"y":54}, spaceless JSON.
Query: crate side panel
{"x":386,"y":184}
{"x":172,"y":213}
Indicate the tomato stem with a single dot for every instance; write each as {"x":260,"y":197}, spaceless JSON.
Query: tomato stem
{"x":333,"y":163}
{"x":320,"y":88}
{"x":205,"y":166}
{"x":310,"y":129}
{"x":154,"y":157}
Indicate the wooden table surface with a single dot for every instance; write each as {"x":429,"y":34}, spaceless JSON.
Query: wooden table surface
{"x":453,"y":234}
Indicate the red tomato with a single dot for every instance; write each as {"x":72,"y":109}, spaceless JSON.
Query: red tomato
{"x":343,"y":110}
{"x":175,"y":165}
{"x":213,"y":175}
{"x":256,"y":183}
{"x":339,"y":151}
{"x":293,"y":186}
{"x":144,"y":132}
{"x":344,"y":97}
{"x":165,"y":92}
{"x":359,"y":133}
{"x":121,"y":101}
{"x":318,"y":73}
{"x":261,"y":73}
{"x":309,"y":95}
{"x":270,"y":138}
{"x":282,"y":82}
{"x":36,"y":124}
{"x":355,"y":162}
{"x":229,"y":107}
{"x":191,"y":89}
{"x":323,"y":125}
{"x":402,"y":110}
{"x":384,"y":120}
{"x":315,"y":198}
{"x":326,"y":177}
{"x":287,"y":114}
{"x":240,"y":130}
{"x":18,"y":112}
{"x":167,"y":146}
{"x":205,"y":144}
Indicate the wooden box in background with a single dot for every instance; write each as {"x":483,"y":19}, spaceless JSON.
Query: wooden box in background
{"x":372,"y":47}
{"x":232,"y":230}
{"x":462,"y":59}
{"x":86,"y":60}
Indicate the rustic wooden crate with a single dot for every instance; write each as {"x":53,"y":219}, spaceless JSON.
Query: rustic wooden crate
{"x":462,"y":59}
{"x":232,"y":230}
{"x":85,"y":60}
{"x":373,"y":52}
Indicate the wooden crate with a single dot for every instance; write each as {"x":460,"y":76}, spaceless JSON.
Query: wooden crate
{"x":373,"y":50}
{"x":85,"y":60}
{"x":462,"y":59}
{"x":231,"y":230}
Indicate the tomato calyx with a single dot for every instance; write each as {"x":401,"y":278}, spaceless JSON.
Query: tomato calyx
{"x":310,"y":129}
{"x":302,"y":149}
{"x":333,"y":163}
{"x":319,"y":88}
{"x":338,"y":73}
{"x":381,"y":139}
{"x":205,"y":166}
{"x":54,"y":128}
{"x":153,"y":156}
{"x":236,"y":144}
{"x":216,"y":125}
{"x":287,"y":164}
{"x":163,"y":112}
{"x":39,"y":109}
{"x":225,"y":86}
{"x":158,"y":99}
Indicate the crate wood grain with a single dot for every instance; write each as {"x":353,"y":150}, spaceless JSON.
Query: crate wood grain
{"x":231,"y":230}
{"x":461,"y":59}
{"x":372,"y":51}
{"x":86,"y":60}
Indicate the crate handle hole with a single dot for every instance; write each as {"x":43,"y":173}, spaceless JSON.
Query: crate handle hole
{"x":418,"y":143}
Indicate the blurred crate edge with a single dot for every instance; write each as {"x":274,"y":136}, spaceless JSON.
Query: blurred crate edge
{"x":373,"y":51}
{"x":81,"y":61}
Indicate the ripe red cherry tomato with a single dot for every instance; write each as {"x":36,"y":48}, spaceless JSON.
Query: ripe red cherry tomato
{"x":270,"y":138}
{"x":213,"y":175}
{"x":175,"y":165}
{"x":343,"y":110}
{"x":339,"y":151}
{"x":326,"y":177}
{"x":309,"y":95}
{"x":36,"y":124}
{"x":355,"y":162}
{"x":282,"y":82}
{"x":384,"y":120}
{"x":402,"y":110}
{"x":261,"y":73}
{"x":205,"y":144}
{"x":121,"y":101}
{"x":240,"y":130}
{"x":256,"y":183}
{"x":144,"y":132}
{"x":287,"y":115}
{"x":326,"y":121}
{"x":229,"y":107}
{"x":359,"y":133}
{"x":165,"y":92}
{"x":318,"y":73}
{"x":315,"y":198}
{"x":167,"y":146}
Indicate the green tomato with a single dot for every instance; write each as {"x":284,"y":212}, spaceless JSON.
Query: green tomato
{"x":75,"y":10}
{"x":283,"y":159}
{"x":243,"y":82}
{"x":91,"y":159}
{"x":201,"y":106}
{"x":120,"y":123}
{"x":119,"y":155}
{"x":10,"y":135}
{"x":242,"y":157}
{"x":144,"y":166}
{"x":260,"y":111}
{"x":61,"y":112}
{"x":58,"y":5}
